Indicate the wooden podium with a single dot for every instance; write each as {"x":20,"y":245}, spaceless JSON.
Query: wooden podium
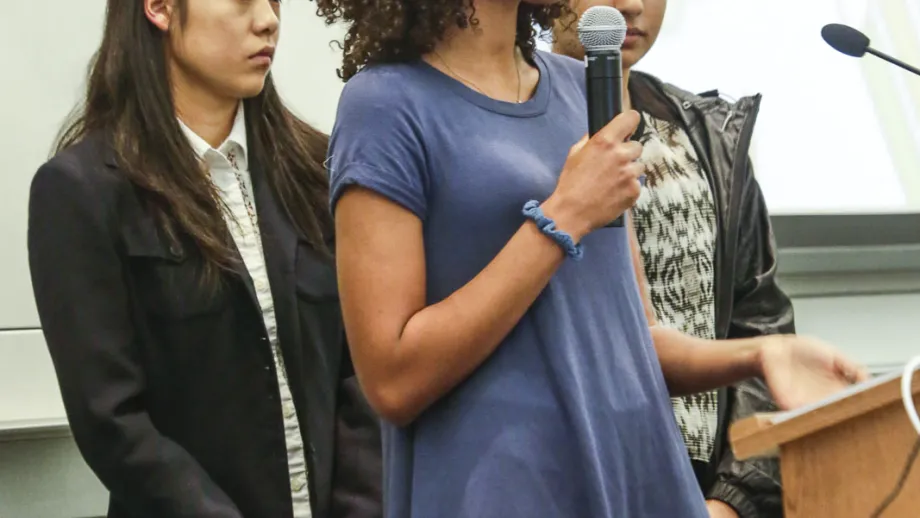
{"x":843,"y":457}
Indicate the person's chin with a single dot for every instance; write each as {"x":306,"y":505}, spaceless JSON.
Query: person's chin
{"x":630,"y":56}
{"x":251,"y":87}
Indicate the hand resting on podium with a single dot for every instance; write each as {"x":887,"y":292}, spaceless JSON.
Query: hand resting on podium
{"x":802,"y":370}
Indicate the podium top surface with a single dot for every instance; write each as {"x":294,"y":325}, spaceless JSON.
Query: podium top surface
{"x":763,"y":434}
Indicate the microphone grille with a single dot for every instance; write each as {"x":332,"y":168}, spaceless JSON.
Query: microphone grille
{"x":602,"y":28}
{"x":845,"y":39}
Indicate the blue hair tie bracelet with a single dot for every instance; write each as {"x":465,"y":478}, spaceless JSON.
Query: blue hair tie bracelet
{"x":546,"y":225}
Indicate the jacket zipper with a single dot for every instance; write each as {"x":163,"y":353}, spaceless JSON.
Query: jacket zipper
{"x":727,"y":119}
{"x":740,"y":159}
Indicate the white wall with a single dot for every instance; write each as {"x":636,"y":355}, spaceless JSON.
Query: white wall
{"x":29,"y":393}
{"x":47,"y":478}
{"x":306,"y":62}
{"x":40,"y":85}
{"x":880,"y":331}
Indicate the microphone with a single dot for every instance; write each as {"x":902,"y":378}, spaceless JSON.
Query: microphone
{"x":602,"y":30}
{"x":849,"y":41}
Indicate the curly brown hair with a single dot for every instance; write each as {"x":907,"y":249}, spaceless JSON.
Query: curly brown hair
{"x":389,"y":31}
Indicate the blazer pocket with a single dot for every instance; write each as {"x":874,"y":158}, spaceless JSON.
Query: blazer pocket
{"x":169,"y":280}
{"x":315,"y":275}
{"x":321,"y":328}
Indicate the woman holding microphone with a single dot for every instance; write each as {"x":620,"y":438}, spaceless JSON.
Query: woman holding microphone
{"x":495,"y":322}
{"x":178,"y":250}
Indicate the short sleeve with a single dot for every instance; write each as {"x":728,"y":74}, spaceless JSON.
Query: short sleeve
{"x":376,"y":142}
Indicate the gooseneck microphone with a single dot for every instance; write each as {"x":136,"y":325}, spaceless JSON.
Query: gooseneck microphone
{"x":602,"y":30}
{"x":849,"y":41}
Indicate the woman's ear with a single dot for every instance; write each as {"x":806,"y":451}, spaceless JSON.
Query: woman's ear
{"x":159,"y":12}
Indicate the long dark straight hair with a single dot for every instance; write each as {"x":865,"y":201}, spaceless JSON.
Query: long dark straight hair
{"x":129,"y":102}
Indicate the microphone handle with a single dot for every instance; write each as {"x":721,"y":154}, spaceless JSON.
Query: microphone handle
{"x":604,"y":78}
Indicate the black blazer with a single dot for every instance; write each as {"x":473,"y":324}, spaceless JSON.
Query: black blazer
{"x":171,"y":392}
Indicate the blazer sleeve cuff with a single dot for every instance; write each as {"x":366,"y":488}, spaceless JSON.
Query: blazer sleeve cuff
{"x":734,"y":497}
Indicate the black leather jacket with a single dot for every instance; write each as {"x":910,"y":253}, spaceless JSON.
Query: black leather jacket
{"x":748,"y":300}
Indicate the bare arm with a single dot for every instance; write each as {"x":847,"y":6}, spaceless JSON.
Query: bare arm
{"x":692,"y":365}
{"x":408,"y":354}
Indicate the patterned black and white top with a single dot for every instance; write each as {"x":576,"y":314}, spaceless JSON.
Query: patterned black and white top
{"x":675,"y":224}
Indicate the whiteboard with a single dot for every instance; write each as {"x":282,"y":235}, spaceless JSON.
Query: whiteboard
{"x":49,"y":45}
